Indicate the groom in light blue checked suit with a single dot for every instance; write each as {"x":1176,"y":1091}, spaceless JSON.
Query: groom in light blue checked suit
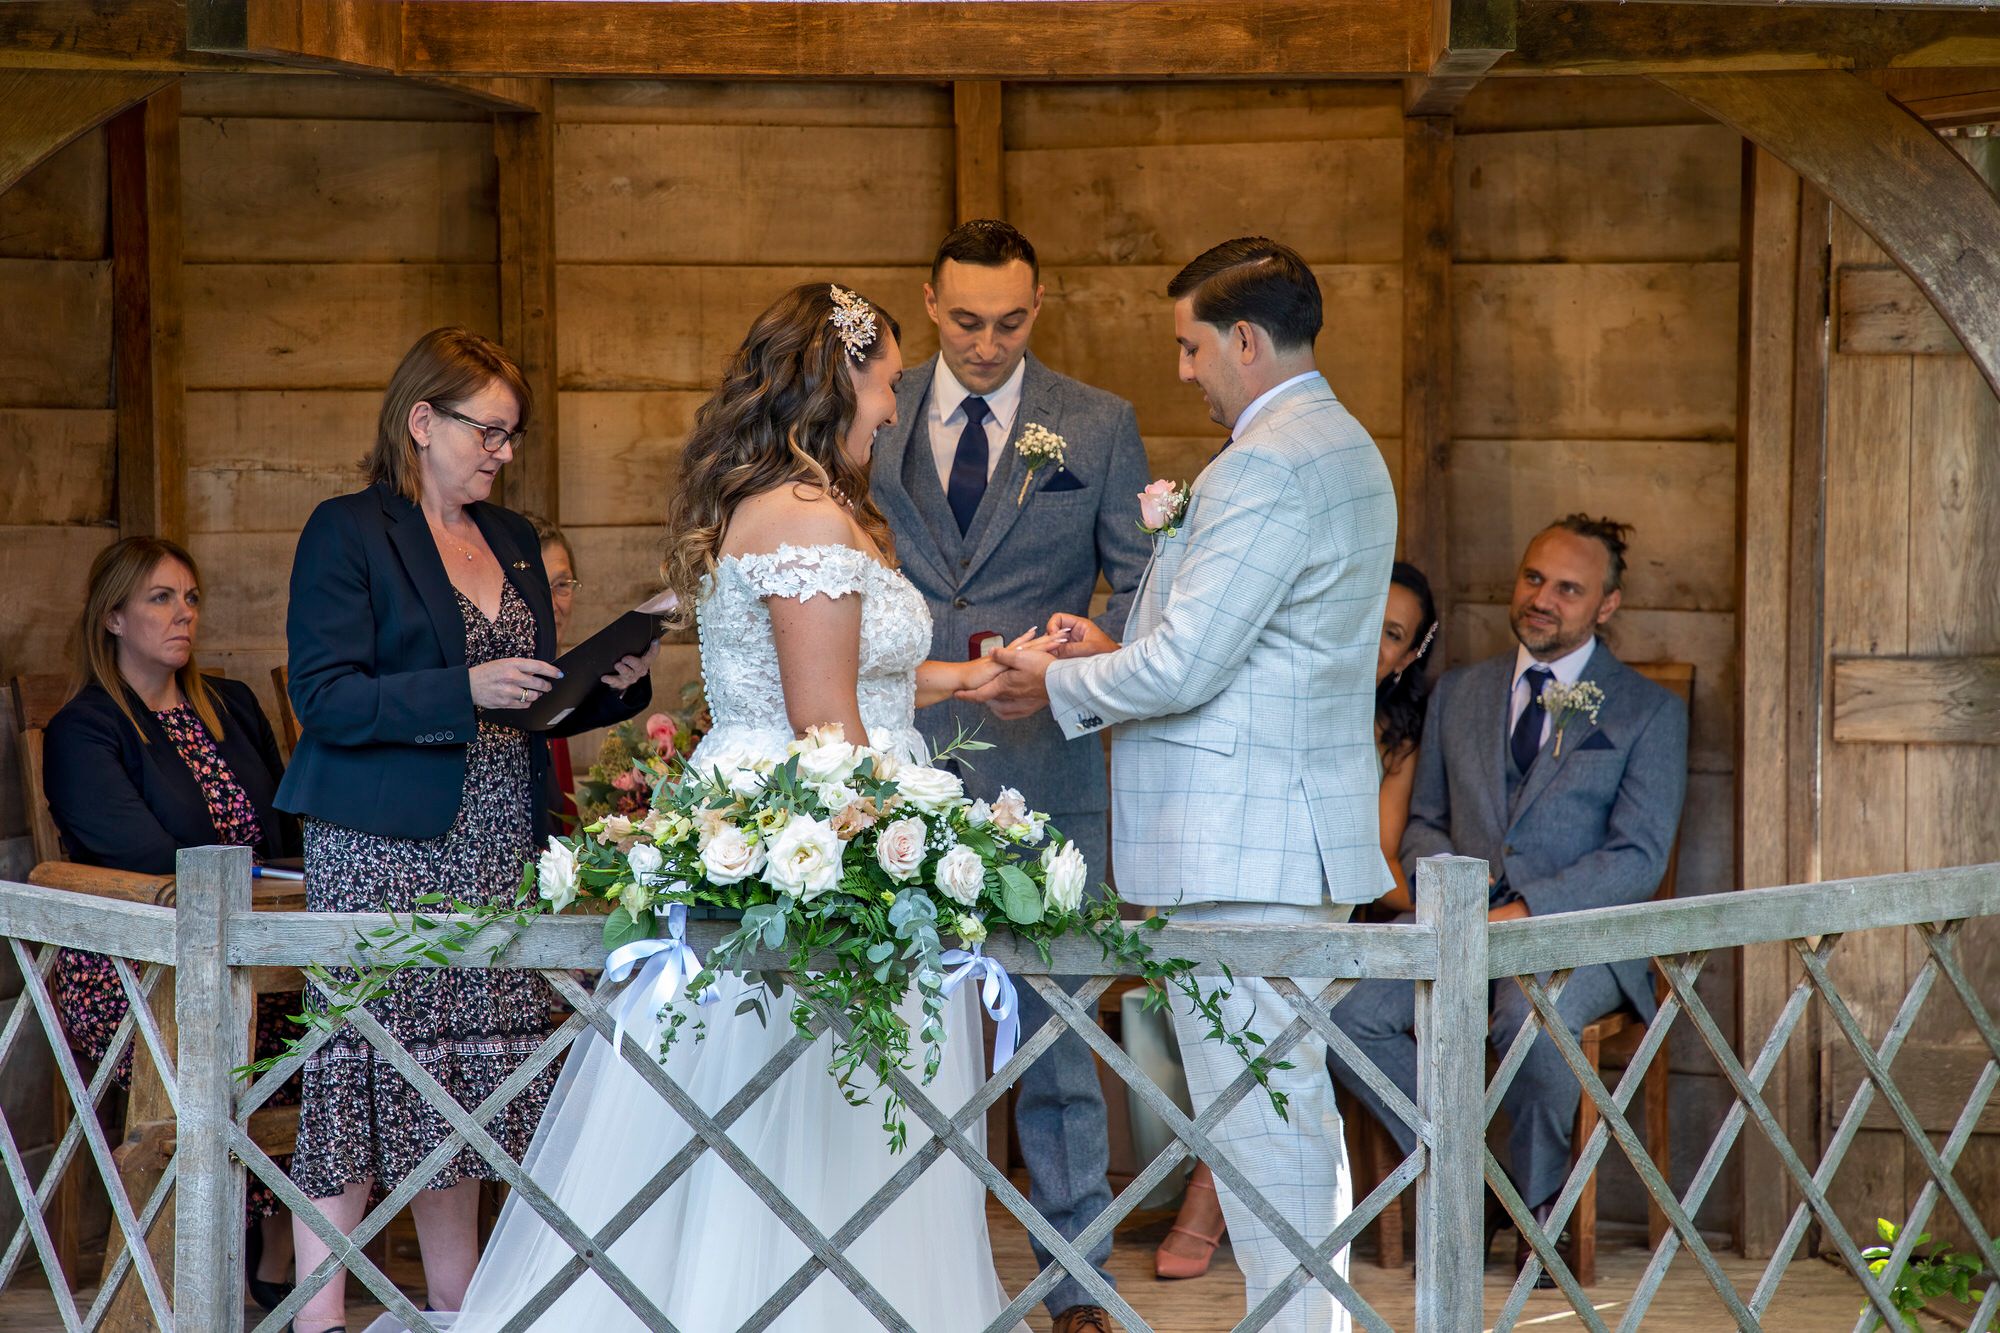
{"x":996,"y":546}
{"x":1244,"y":779}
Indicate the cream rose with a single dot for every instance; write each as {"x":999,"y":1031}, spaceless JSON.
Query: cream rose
{"x":736,"y":769}
{"x":1010,"y":809}
{"x":979,"y":814}
{"x":555,"y":876}
{"x":900,"y":848}
{"x":1066,"y":874}
{"x":616,"y":831}
{"x":805,"y":858}
{"x":645,"y":860}
{"x":730,"y":856}
{"x":929,"y":788}
{"x":961,"y":875}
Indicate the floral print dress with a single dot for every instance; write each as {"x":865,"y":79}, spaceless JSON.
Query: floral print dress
{"x":470,"y":1029}
{"x":92,"y":1002}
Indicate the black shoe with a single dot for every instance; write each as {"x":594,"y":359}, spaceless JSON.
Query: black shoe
{"x":267,"y":1294}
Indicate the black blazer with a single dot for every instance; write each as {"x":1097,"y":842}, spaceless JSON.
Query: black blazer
{"x":378,"y":674}
{"x":131,"y":805}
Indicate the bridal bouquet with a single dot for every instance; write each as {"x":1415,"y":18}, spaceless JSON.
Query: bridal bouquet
{"x":854,"y":865}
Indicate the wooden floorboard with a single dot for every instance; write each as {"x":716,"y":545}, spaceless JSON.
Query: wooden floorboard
{"x":1814,"y":1297}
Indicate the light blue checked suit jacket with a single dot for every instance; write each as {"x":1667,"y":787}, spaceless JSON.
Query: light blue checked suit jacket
{"x":1243,"y":763}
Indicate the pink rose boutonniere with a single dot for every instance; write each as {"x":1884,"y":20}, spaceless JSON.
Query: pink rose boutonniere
{"x":1161,"y":506}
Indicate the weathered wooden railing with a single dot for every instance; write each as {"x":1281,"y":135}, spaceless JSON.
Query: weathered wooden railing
{"x":1450,"y":953}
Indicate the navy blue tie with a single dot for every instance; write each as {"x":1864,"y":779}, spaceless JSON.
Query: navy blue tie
{"x":968,"y":466}
{"x":1528,"y":727}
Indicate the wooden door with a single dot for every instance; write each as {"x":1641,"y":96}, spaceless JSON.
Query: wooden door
{"x":1910,"y":746}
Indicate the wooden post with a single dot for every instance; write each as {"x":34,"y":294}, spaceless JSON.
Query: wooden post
{"x":1451,"y":1094}
{"x":1427,"y":341}
{"x":212,"y":1004}
{"x":982,"y":184}
{"x":145,"y":172}
{"x":524,"y":144}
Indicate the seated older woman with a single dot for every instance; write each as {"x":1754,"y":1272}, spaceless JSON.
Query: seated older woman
{"x":150,"y":756}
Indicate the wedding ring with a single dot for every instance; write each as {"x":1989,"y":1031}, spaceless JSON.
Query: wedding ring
{"x":525,"y":696}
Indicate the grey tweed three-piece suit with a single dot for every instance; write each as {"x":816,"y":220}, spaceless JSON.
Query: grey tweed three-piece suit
{"x":1020,"y":561}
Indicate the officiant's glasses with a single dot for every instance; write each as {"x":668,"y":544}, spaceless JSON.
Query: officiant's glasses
{"x":491,"y":438}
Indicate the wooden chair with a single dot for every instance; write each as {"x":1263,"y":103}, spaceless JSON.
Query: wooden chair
{"x":1617,"y":1034}
{"x":149,"y":1134}
{"x":288,"y":721}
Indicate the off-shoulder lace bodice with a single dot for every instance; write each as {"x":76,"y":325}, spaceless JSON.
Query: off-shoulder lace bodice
{"x":739,"y":661}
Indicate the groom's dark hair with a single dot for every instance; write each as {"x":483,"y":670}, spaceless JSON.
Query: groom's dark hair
{"x":1259,"y":281}
{"x":987,"y":242}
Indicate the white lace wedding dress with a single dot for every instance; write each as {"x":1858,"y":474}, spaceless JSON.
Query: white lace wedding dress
{"x":708,"y":1253}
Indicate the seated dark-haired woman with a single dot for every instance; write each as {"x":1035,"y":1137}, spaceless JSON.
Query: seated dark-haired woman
{"x":150,"y":756}
{"x":1402,"y":687}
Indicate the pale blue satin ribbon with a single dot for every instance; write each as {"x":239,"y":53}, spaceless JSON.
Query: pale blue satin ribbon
{"x":669,"y":965}
{"x":996,"y":989}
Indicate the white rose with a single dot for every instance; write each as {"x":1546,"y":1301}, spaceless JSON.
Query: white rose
{"x":729,"y":855}
{"x":735,"y":768}
{"x":929,"y":788}
{"x":836,"y":796}
{"x":833,"y":761}
{"x":900,"y":849}
{"x":1010,"y":809}
{"x":635,"y":898}
{"x":961,"y":875}
{"x":1066,"y":873}
{"x":805,"y":858}
{"x":887,"y":766}
{"x":556,"y":876}
{"x":1030,"y":831}
{"x":970,"y":929}
{"x":645,"y":860}
{"x":980,"y":815}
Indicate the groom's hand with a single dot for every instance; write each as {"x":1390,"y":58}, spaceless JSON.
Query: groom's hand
{"x":1019,"y":691}
{"x":1078,"y":636}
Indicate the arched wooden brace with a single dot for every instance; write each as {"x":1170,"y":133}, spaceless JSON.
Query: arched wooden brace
{"x":1920,"y":201}
{"x":40,"y":112}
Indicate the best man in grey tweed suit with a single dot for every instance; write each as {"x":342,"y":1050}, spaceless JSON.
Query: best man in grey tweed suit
{"x":990,"y":557}
{"x":1243,"y":759}
{"x":1570,"y":816}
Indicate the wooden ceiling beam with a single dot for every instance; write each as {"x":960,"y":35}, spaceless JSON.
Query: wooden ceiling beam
{"x":353,"y":36}
{"x":1590,"y":37}
{"x":938,"y":39}
{"x":1469,"y":37}
{"x":41,"y":112}
{"x":1920,"y":201}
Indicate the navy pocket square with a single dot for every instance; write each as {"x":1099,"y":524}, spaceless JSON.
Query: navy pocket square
{"x":1597,"y":741}
{"x":1062,"y":480}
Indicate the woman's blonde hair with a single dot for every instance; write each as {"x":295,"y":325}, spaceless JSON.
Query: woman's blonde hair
{"x":781,"y":414}
{"x":119,"y":572}
{"x":445,"y":367}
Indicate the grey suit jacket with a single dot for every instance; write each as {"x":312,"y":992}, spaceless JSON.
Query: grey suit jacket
{"x":1019,"y":563}
{"x":1243,"y":760}
{"x":1591,"y":827}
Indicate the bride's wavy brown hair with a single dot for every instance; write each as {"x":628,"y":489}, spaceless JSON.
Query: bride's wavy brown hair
{"x":785,"y":404}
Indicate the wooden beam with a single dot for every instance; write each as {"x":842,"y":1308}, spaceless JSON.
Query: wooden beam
{"x":1587,"y":37}
{"x":1919,"y":200}
{"x":982,"y":186}
{"x":932,"y":39}
{"x":42,"y":112}
{"x":524,"y":146}
{"x":147,"y":316}
{"x":63,"y":34}
{"x":352,"y":35}
{"x":1427,"y":348}
{"x":1470,"y":36}
{"x":1917,"y":700}
{"x":1881,"y":313}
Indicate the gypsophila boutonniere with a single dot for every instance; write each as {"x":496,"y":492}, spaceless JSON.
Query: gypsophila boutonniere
{"x":1564,"y":702}
{"x":1038,"y":445}
{"x":1161,"y":505}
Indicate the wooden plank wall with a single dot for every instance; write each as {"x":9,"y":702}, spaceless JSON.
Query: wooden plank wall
{"x":682,"y":210}
{"x":1595,"y":292}
{"x":1119,"y":186}
{"x":329,"y":222}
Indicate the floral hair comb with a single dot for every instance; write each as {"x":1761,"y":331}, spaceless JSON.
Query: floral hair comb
{"x":853,"y":321}
{"x":1425,"y":646}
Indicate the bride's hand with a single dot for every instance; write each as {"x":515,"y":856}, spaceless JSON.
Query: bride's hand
{"x":980,"y":670}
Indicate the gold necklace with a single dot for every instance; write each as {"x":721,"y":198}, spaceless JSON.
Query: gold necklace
{"x":463,"y":549}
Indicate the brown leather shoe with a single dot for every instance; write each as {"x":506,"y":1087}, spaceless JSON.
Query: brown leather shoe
{"x":1083,"y":1319}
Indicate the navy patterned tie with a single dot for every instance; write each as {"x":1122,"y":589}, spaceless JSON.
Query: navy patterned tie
{"x":968,"y":466}
{"x":1528,"y":727}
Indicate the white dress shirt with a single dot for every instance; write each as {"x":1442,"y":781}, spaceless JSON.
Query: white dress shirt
{"x":947,"y":418}
{"x":1257,"y":404}
{"x":1566,"y":670}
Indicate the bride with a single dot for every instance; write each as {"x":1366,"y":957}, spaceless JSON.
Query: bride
{"x":803,"y":621}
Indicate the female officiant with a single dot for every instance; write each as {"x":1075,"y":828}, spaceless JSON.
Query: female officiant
{"x":418,"y":610}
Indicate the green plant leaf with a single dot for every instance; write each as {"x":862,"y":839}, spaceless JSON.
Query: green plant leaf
{"x":1019,"y":898}
{"x":620,"y":929}
{"x":1885,"y":1229}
